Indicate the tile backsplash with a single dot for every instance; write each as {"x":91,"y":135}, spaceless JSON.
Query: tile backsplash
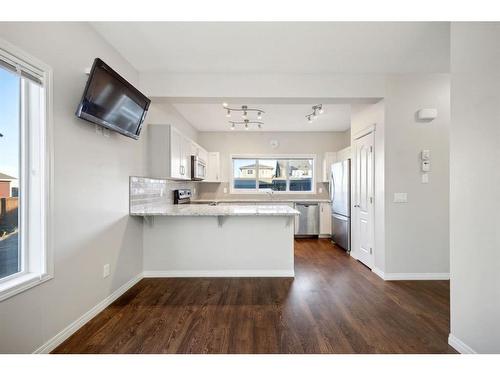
{"x":144,"y":190}
{"x":216,"y":191}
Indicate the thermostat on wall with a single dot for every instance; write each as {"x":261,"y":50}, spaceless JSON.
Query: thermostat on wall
{"x":427,"y":114}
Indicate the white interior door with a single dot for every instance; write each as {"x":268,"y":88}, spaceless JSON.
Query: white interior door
{"x":363,"y":200}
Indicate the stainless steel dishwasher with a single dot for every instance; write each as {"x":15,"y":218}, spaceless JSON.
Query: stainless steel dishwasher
{"x":307,"y":223}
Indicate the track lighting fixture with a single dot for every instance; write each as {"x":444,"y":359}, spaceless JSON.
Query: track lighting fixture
{"x":245,"y":111}
{"x":246,"y":124}
{"x":316,"y":109}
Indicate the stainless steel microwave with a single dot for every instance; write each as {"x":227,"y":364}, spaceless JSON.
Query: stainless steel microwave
{"x":198,"y":168}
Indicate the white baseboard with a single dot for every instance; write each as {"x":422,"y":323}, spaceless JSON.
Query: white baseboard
{"x":410,"y":276}
{"x":379,"y":273}
{"x":58,"y":339}
{"x":416,"y":276}
{"x":221,"y":273}
{"x":459,"y":345}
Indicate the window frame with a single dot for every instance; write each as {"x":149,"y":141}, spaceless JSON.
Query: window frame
{"x":257,"y":157}
{"x":31,"y":275}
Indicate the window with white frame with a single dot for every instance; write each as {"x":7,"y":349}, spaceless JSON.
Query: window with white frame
{"x":281,"y":174}
{"x":25,"y":259}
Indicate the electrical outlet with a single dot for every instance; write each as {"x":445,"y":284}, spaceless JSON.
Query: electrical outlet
{"x":425,"y":178}
{"x":320,"y":190}
{"x":225,"y":190}
{"x":105,"y":271}
{"x":400,"y":197}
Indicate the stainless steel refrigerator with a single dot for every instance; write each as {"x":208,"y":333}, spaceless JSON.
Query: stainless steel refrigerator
{"x":340,"y":195}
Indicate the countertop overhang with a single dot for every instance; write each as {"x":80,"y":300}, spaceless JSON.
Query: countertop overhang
{"x":209,"y":210}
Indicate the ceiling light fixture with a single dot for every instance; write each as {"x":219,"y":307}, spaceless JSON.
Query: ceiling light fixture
{"x":316,"y":109}
{"x":245,"y":109}
{"x":246,"y":123}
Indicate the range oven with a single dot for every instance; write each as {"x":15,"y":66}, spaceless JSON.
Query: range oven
{"x":198,"y":168}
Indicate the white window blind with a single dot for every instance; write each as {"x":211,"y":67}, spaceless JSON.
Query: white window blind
{"x":20,"y":67}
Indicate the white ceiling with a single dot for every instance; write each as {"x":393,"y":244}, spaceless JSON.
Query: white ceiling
{"x":281,"y":47}
{"x":207,"y":117}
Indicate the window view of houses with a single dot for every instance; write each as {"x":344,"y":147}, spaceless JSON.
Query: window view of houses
{"x":9,"y":169}
{"x":273,"y":174}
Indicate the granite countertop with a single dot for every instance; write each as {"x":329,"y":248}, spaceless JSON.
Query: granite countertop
{"x":267,"y":201}
{"x":208,"y":210}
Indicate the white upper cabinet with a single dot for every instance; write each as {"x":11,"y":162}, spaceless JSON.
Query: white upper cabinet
{"x":213,"y":167}
{"x":169,"y":153}
{"x":328,"y":159}
{"x":344,"y":154}
{"x":199,"y":151}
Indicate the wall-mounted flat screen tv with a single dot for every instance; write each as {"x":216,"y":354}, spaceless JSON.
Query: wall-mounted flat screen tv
{"x":110,"y":101}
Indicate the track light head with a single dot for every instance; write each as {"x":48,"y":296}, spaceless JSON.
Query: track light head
{"x":259,"y":115}
{"x":228,"y":114}
{"x":232,"y":126}
{"x":309,"y":119}
{"x":225,"y":105}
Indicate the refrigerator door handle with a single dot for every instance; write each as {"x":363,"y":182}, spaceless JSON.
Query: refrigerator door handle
{"x":332,"y":188}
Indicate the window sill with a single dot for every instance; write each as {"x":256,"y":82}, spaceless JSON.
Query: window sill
{"x":21,"y":283}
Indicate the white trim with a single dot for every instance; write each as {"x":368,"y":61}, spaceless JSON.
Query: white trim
{"x":459,"y":345}
{"x":21,"y":283}
{"x":31,"y":275}
{"x":221,"y":273}
{"x":412,"y":276}
{"x":361,"y":133}
{"x":256,"y":191}
{"x":378,"y":272}
{"x":58,"y":339}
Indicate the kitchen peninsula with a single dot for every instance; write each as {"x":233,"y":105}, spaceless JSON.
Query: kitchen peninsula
{"x":196,"y":240}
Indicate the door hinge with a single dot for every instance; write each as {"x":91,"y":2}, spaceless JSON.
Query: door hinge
{"x":371,"y":148}
{"x":371,"y":251}
{"x":371,"y":200}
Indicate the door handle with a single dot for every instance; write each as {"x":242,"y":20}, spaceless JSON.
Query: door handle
{"x":356,"y":205}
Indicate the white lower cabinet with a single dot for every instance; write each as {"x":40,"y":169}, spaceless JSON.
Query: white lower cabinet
{"x":325,"y":219}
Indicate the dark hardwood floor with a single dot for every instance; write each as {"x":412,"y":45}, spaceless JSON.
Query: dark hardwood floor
{"x":334,"y":305}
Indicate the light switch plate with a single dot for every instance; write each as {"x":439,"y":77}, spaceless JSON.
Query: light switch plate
{"x":225,"y":190}
{"x":320,"y":190}
{"x":425,"y":178}
{"x":400,"y":197}
{"x":426,"y":166}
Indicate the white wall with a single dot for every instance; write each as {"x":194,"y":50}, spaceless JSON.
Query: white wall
{"x":165,"y":113}
{"x":228,"y":143}
{"x":92,"y":225}
{"x":417,"y":238}
{"x":475,"y":181}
